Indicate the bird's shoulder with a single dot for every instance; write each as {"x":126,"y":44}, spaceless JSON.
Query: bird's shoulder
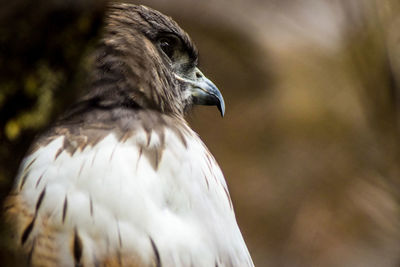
{"x":124,"y":181}
{"x":82,"y":127}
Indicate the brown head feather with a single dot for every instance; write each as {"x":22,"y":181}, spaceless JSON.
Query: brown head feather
{"x":130,"y":69}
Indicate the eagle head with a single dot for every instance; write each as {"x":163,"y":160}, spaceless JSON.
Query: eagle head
{"x":145,"y":59}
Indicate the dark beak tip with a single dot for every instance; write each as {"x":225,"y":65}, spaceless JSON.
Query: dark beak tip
{"x":221,"y":108}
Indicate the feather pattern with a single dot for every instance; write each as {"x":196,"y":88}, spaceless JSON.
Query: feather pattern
{"x":177,"y":213}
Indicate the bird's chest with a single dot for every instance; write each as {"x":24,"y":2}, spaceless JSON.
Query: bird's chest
{"x":151,"y":195}
{"x":168,"y":193}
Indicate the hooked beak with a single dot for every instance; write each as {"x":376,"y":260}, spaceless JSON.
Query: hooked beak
{"x":204,"y":91}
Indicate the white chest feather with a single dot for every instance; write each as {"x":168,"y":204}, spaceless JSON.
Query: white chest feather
{"x":159,"y":199}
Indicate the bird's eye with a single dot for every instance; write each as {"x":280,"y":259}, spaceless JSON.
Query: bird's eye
{"x":167,"y":48}
{"x":167,"y":45}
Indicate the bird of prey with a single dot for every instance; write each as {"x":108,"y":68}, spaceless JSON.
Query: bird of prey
{"x":121,"y":179}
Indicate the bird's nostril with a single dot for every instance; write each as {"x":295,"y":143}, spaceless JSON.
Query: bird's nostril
{"x":198,"y":75}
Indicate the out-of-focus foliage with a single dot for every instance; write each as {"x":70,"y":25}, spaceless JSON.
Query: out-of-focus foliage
{"x":310,"y":141}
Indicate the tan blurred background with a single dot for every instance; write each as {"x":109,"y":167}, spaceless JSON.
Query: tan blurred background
{"x":310,"y":142}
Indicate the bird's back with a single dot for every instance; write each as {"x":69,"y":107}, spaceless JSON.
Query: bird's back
{"x":124,"y":187}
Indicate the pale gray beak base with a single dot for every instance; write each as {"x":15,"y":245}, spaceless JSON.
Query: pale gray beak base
{"x":204,"y":91}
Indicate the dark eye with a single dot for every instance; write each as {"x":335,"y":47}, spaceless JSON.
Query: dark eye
{"x":166,"y":47}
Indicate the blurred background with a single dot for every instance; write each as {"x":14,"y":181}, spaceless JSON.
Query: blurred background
{"x":310,"y":141}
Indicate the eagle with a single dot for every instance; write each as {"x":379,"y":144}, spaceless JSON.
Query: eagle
{"x":120,"y":179}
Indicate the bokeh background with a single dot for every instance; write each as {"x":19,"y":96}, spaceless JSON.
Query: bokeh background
{"x":310,"y":141}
